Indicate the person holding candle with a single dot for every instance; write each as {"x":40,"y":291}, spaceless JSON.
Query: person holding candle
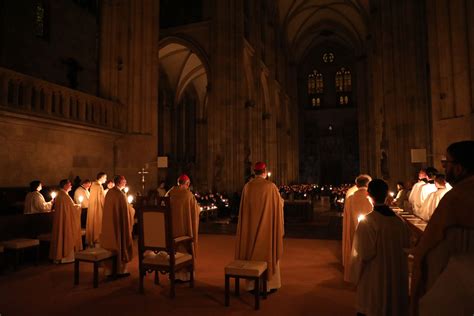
{"x":356,"y":204}
{"x":83,"y":190}
{"x":95,"y":210}
{"x":117,"y":225}
{"x":34,"y":200}
{"x":379,"y":265}
{"x":66,"y":233}
{"x":185,"y":216}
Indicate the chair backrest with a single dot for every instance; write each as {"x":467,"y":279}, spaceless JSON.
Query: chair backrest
{"x":155,"y":229}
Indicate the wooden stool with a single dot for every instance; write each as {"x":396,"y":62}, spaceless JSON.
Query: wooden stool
{"x":249,"y":270}
{"x":96,"y":256}
{"x":20,"y":245}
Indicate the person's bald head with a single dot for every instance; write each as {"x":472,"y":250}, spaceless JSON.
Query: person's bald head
{"x":362,"y":181}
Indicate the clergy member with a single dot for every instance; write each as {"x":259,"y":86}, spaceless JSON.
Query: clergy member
{"x":66,"y":233}
{"x":414,"y":196}
{"x":358,"y":204}
{"x":379,"y":265}
{"x":185,"y":217}
{"x":34,"y":200}
{"x":426,"y":189}
{"x":432,"y":201}
{"x":450,"y":231}
{"x":117,"y":225}
{"x":260,"y":228}
{"x":95,"y":210}
{"x":83,"y":190}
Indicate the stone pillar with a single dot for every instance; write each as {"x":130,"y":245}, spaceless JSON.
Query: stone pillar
{"x":399,"y":99}
{"x":451,"y":59}
{"x":129,"y":75}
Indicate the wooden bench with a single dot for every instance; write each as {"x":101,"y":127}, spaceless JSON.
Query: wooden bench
{"x":95,"y":256}
{"x":249,"y":270}
{"x":18,"y":246}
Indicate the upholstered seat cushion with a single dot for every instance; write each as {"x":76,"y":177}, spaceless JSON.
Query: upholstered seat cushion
{"x":94,"y":254}
{"x":163,"y":259}
{"x":246,"y":268}
{"x":20,"y":243}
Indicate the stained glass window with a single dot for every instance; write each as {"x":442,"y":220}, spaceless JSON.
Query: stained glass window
{"x":40,"y":19}
{"x":328,"y":58}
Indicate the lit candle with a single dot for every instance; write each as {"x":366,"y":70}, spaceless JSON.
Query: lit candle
{"x":81,"y":198}
{"x":130,"y":199}
{"x":53,"y":195}
{"x":360,"y":218}
{"x":269,"y":174}
{"x":126,"y":190}
{"x":392,"y":194}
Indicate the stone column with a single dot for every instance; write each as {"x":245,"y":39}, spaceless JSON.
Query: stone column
{"x":128,"y":74}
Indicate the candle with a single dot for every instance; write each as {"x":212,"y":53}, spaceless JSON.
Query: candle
{"x":81,"y":198}
{"x":126,"y":189}
{"x":269,"y":174}
{"x":53,"y":195}
{"x":392,"y":194}
{"x":130,"y":199}
{"x":360,"y":218}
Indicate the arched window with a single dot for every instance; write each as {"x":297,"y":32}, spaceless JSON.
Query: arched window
{"x":343,"y":80}
{"x":315,"y":88}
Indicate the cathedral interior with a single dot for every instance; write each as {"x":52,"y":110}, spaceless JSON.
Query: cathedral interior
{"x":319,"y":90}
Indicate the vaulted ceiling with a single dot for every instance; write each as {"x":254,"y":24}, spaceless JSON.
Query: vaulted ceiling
{"x":307,"y":23}
{"x":183,"y":67}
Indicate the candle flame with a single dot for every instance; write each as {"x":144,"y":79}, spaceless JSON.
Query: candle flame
{"x":126,"y":189}
{"x":81,"y":198}
{"x":130,"y":199}
{"x":360,"y":218}
{"x":53,"y":194}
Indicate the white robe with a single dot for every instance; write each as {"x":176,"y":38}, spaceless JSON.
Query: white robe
{"x":357,"y":204}
{"x":35,"y":203}
{"x":414,"y":196}
{"x":80,"y":191}
{"x":425,"y":190}
{"x":351,"y":191}
{"x":431,"y":203}
{"x":379,"y":265}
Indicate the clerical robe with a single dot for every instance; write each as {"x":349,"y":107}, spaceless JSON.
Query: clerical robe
{"x":80,"y":191}
{"x":260,"y":228}
{"x":357,"y":204}
{"x":379,"y":265}
{"x":351,"y":191}
{"x":35,"y":203}
{"x":450,"y":231}
{"x":425,"y":191}
{"x":185,"y":220}
{"x":414,"y":196}
{"x":431,"y":203}
{"x":94,"y":213}
{"x":66,"y":233}
{"x":117,"y":225}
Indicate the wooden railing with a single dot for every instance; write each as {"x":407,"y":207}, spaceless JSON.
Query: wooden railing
{"x":32,"y":96}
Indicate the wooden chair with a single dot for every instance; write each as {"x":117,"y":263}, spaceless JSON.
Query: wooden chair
{"x":156,"y":238}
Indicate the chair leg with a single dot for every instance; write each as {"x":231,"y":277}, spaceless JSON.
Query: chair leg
{"x":227,"y":296}
{"x":140,"y":280}
{"x":265,"y":281}
{"x":172,"y":283}
{"x":191,"y":277}
{"x":157,"y":277}
{"x":96,"y":275}
{"x":237,"y":286}
{"x":114,"y":267}
{"x":257,"y":293}
{"x":76,"y":272}
{"x":37,"y":254}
